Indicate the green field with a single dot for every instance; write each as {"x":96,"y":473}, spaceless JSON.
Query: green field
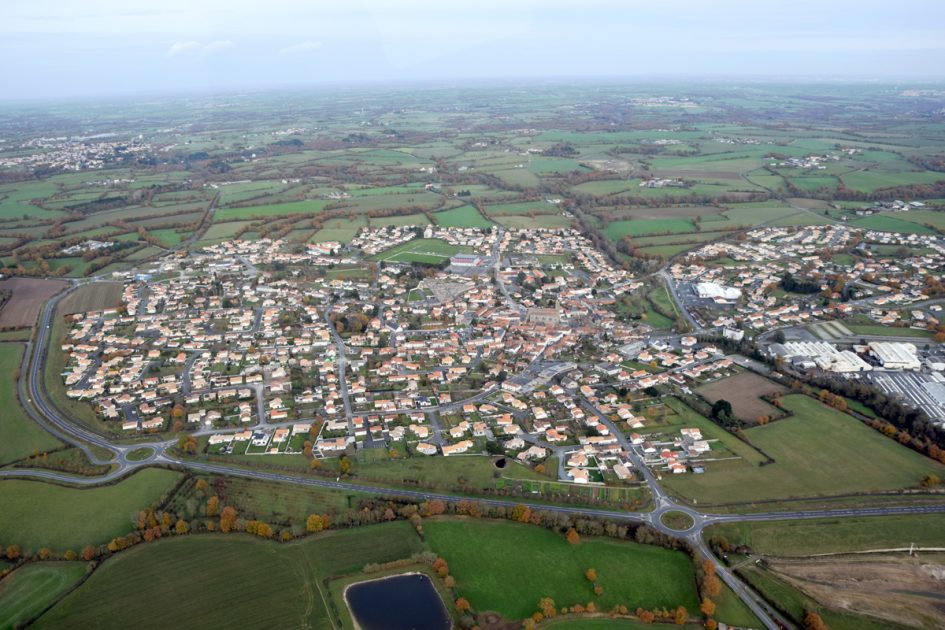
{"x":803,"y":538}
{"x":539,"y":221}
{"x":271,"y":210}
{"x":37,"y":514}
{"x":223,"y":581}
{"x":886,"y":223}
{"x":19,"y":436}
{"x":616,"y":230}
{"x":29,"y":590}
{"x":197,"y":581}
{"x":465,"y":216}
{"x":817,"y":452}
{"x":488,"y":560}
{"x":422,"y":250}
{"x":894,"y":331}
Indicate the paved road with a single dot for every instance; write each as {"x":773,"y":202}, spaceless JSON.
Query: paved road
{"x":680,"y":304}
{"x":31,"y":391}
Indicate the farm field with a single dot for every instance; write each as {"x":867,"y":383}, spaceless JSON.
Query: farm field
{"x":888,"y":223}
{"x":744,"y":391}
{"x":538,"y":222}
{"x":22,"y":309}
{"x":91,"y":297}
{"x":810,"y":537}
{"x":199,"y":589}
{"x":642,"y":227}
{"x":38,"y":514}
{"x":817,"y":452}
{"x":486,"y":559}
{"x":19,"y":436}
{"x":30,"y":589}
{"x":465,"y":216}
{"x":288,"y":577}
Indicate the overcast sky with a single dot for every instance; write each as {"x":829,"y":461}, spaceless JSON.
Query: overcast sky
{"x":79,"y":48}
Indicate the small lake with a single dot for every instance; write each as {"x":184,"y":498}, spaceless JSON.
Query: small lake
{"x":401,"y":602}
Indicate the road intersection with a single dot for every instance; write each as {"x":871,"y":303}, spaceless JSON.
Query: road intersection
{"x":34,"y":399}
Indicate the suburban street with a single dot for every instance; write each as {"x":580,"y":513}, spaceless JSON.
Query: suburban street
{"x":34,"y":399}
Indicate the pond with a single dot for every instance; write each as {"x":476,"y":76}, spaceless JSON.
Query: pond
{"x":401,"y":602}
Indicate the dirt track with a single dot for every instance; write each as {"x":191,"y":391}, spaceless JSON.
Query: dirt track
{"x":897,"y":588}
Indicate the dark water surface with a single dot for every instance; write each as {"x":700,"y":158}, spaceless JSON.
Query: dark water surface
{"x":401,"y":602}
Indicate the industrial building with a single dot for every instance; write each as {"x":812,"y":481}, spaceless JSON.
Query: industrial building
{"x":895,"y":355}
{"x":819,"y":354}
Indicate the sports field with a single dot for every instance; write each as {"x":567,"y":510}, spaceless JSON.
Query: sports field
{"x":431,"y":251}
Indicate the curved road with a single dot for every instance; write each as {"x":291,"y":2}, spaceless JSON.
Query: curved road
{"x":34,"y":400}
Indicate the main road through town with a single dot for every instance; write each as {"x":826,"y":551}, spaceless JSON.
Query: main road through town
{"x":34,"y":398}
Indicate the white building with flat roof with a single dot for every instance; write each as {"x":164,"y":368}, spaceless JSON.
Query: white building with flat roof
{"x":895,"y":355}
{"x":715,"y":291}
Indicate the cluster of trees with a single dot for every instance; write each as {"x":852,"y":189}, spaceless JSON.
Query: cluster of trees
{"x":793,"y":285}
{"x":710,"y":586}
{"x":64,"y":460}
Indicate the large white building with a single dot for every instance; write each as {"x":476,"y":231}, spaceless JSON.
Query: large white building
{"x":824,"y":356}
{"x":715,"y":291}
{"x":895,"y":355}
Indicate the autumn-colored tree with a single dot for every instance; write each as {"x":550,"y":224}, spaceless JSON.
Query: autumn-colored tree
{"x":449,"y":581}
{"x":227,"y":519}
{"x":462,"y":605}
{"x":13,"y":552}
{"x":712,"y":586}
{"x":88,"y":553}
{"x":707,"y":607}
{"x":591,"y":607}
{"x":813,"y":621}
{"x":521,"y":513}
{"x":201,"y":485}
{"x":316,"y":523}
{"x":315,"y":464}
{"x":645,"y":616}
{"x":573,"y":537}
{"x":441,"y":567}
{"x":213,"y":505}
{"x":286,"y":535}
{"x":591,"y":575}
{"x":181,"y":527}
{"x":436,"y":507}
{"x":598,"y":590}
{"x":344,"y":465}
{"x":711,"y":624}
{"x":45,"y":553}
{"x":681,"y":616}
{"x":547,"y":607}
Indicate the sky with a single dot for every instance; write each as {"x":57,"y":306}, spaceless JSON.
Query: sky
{"x":54,"y":49}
